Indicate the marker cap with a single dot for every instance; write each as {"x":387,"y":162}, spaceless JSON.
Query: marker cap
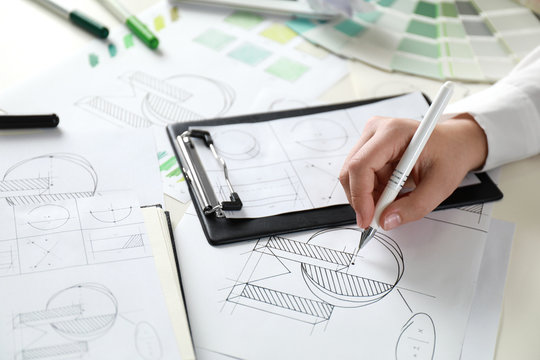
{"x":142,"y":32}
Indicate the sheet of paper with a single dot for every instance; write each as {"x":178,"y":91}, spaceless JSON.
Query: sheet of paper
{"x":57,"y":164}
{"x":311,"y":295}
{"x":481,"y":335}
{"x":293,"y":164}
{"x":79,"y":281}
{"x":210,"y":63}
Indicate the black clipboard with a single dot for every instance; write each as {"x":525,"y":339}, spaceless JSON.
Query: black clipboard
{"x":220,"y":230}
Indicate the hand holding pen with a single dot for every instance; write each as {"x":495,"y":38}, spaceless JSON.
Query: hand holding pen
{"x":455,"y":147}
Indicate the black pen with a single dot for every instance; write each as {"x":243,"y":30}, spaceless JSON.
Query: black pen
{"x":28,"y":121}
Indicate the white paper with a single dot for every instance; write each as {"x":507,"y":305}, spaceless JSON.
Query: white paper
{"x":57,"y":164}
{"x":79,"y":281}
{"x":299,"y":296}
{"x":189,"y":77}
{"x":293,"y":164}
{"x":481,"y":336}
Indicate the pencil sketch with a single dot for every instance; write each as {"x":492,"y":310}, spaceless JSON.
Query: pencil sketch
{"x":417,"y":339}
{"x":236,"y":144}
{"x":331,"y":271}
{"x":162,"y":101}
{"x":319,"y":134}
{"x":117,"y":243}
{"x":112,"y":215}
{"x":147,"y":341}
{"x":49,"y":177}
{"x":287,"y":104}
{"x":41,"y":218}
{"x":321,"y":180}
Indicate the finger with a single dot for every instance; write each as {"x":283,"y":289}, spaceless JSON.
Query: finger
{"x":344,"y":173}
{"x":372,"y":157}
{"x":434,"y":187}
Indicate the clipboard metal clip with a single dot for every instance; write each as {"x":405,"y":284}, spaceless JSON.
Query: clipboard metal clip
{"x":195,"y":173}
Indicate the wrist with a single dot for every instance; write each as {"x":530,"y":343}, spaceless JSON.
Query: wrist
{"x":470,"y":136}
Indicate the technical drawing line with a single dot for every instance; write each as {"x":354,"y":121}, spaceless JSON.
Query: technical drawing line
{"x":460,"y":225}
{"x":71,"y":350}
{"x":45,"y":315}
{"x":42,"y":198}
{"x":110,"y":215}
{"x":167,"y":111}
{"x":158,"y":86}
{"x":113,"y":112}
{"x":336,"y":282}
{"x":24,"y":184}
{"x":309,"y":250}
{"x":283,"y":300}
{"x":405,"y":301}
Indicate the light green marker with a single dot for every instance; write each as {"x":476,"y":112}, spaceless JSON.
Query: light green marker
{"x":135,"y":25}
{"x":77,"y":18}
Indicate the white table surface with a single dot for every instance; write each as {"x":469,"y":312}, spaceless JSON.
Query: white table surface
{"x":33,"y":39}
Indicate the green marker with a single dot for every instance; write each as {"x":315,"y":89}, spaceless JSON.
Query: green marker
{"x":77,"y":18}
{"x":135,"y":25}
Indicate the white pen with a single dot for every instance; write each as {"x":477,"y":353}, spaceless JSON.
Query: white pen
{"x":408,"y":160}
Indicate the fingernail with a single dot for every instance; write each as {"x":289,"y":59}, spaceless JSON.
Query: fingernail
{"x":391,"y":221}
{"x":358,"y":220}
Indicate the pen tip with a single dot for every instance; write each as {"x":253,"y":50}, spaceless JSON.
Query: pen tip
{"x":367,"y":235}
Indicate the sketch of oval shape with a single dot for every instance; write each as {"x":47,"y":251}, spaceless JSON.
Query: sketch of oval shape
{"x":319,"y":134}
{"x":99,"y":310}
{"x":361,"y":283}
{"x":112,"y":215}
{"x":208,"y":98}
{"x":147,"y":342}
{"x":417,"y":339}
{"x":49,"y":177}
{"x":236,"y":144}
{"x":39,"y":217}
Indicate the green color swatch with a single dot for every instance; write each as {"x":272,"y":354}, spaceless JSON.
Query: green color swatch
{"x":128,"y":41}
{"x":349,"y":27}
{"x":418,"y":47}
{"x":459,"y":50}
{"x":454,"y":30}
{"x":168,"y":164}
{"x":159,"y":23}
{"x":175,"y":15}
{"x":416,"y":66}
{"x":422,"y":28}
{"x":250,"y":54}
{"x":161,"y":155}
{"x":279,"y":33}
{"x":214,"y":39}
{"x":245,"y":20}
{"x":301,"y":25}
{"x":93,"y":59}
{"x":370,"y":17}
{"x":112,"y":50}
{"x":287,"y":69}
{"x":385,"y":2}
{"x":426,"y":9}
{"x":449,"y":9}
{"x":174,"y":173}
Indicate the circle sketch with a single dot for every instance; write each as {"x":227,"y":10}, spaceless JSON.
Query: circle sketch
{"x":40,"y":219}
{"x":365,"y":281}
{"x":319,"y":134}
{"x":236,"y":144}
{"x":93,"y":308}
{"x":187,"y":97}
{"x":55,"y":176}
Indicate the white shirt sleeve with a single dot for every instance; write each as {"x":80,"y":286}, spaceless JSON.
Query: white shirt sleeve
{"x":509,"y":113}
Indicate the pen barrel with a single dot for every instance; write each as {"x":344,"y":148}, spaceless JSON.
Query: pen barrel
{"x":88,"y":24}
{"x":28,"y":121}
{"x":142,"y":32}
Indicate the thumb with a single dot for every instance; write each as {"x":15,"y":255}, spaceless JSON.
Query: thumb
{"x":431,"y":191}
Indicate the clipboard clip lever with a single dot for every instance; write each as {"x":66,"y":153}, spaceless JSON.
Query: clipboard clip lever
{"x":195,"y":173}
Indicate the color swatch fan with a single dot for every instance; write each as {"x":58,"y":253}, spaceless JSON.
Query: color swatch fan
{"x":477,"y":40}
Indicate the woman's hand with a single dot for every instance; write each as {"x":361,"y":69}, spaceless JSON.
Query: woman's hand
{"x":455,"y":147}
